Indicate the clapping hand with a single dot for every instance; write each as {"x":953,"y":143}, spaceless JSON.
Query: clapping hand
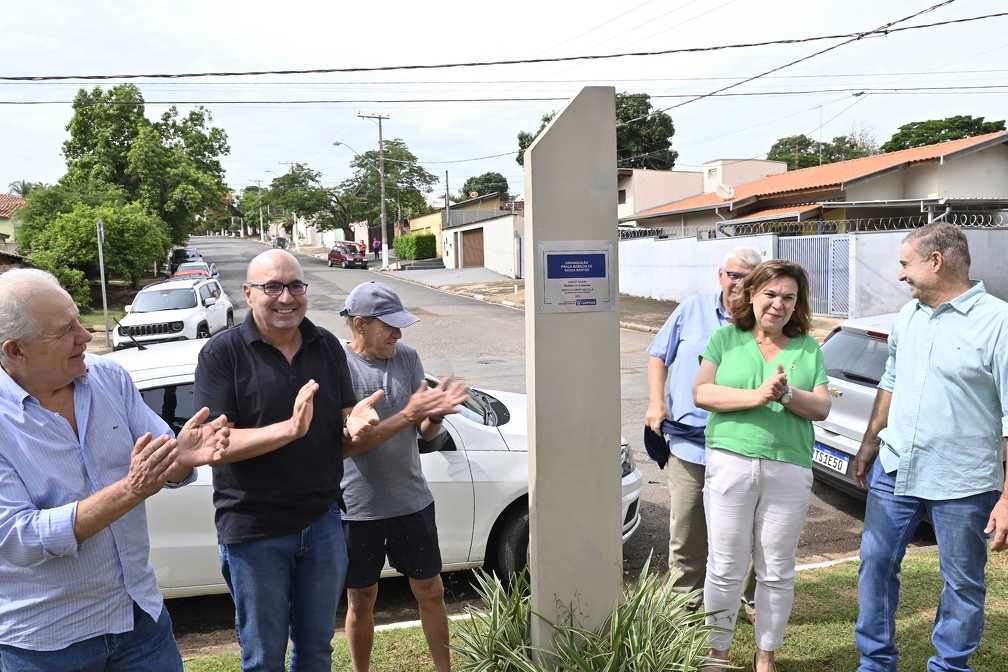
{"x":773,"y":387}
{"x":363,"y":417}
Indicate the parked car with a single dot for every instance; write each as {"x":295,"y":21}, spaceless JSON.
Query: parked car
{"x":182,"y":255}
{"x":279,"y":242}
{"x":855,"y":355}
{"x":195,"y":268}
{"x":477,"y":468}
{"x":347,"y":256}
{"x":174,"y":309}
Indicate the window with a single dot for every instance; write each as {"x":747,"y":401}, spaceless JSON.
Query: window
{"x":856,"y":358}
{"x":174,"y":403}
{"x":621,"y":196}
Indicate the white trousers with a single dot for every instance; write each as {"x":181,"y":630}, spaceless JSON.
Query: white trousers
{"x":755,"y":509}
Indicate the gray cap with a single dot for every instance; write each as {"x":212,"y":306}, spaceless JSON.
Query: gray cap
{"x":375,"y":299}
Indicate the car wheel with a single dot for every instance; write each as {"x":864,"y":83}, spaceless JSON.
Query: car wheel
{"x":230,"y":320}
{"x":364,"y":266}
{"x":330,"y":263}
{"x":202,"y":331}
{"x":513,"y":544}
{"x":343,"y":265}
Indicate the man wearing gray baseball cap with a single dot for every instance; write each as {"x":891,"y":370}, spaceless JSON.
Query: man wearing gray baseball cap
{"x":390,"y":508}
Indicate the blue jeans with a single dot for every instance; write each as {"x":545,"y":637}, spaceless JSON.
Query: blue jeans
{"x":149,"y":647}
{"x":284,"y":586}
{"x":890,"y":522}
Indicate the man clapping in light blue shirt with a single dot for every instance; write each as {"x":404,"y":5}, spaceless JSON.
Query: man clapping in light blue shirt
{"x":77,"y":460}
{"x":937,"y":429}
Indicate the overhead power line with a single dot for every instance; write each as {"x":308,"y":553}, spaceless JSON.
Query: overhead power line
{"x":878,"y":32}
{"x":884,"y":29}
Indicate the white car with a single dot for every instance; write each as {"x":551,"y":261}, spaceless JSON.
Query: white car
{"x":477,"y":469}
{"x":855,"y":354}
{"x":172,"y":310}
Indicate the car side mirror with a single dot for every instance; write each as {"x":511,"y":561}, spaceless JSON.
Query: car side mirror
{"x":128,"y":307}
{"x":440,"y":443}
{"x":209,"y":301}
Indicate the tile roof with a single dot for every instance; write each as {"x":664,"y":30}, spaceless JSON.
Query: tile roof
{"x":799,"y":212}
{"x":835,"y":175}
{"x":9,"y":205}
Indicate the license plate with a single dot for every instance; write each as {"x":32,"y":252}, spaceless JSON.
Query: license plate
{"x":830,"y":458}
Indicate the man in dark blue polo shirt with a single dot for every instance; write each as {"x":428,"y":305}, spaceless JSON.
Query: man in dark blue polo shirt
{"x":277,"y":494}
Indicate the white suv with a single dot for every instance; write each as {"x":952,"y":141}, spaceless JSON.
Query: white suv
{"x":175,"y":310}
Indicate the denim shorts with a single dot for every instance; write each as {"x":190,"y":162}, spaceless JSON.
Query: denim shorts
{"x":410,"y":542}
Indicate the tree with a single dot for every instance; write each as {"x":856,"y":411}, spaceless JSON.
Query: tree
{"x":23,"y":188}
{"x":171,"y":166}
{"x":933,"y":131}
{"x":484,"y":184}
{"x":525,"y":138}
{"x":407,"y":184}
{"x":801,"y":151}
{"x":177,"y":171}
{"x":643,"y":137}
{"x":134,"y":241}
{"x":299,"y":193}
{"x":47,"y":203}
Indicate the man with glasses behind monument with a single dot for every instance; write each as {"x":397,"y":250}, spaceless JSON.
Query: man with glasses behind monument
{"x":294,"y":417}
{"x":681,"y":341}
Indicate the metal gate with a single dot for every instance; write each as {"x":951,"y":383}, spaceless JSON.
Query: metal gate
{"x":826,"y":259}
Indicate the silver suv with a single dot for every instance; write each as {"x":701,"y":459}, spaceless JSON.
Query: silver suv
{"x":855,"y":354}
{"x":175,"y":310}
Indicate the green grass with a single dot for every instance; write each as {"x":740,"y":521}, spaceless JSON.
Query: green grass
{"x":820,"y":636}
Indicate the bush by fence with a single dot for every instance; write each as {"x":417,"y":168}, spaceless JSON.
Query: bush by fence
{"x":416,"y":246}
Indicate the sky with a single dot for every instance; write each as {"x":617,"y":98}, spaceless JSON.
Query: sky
{"x":464,"y":121}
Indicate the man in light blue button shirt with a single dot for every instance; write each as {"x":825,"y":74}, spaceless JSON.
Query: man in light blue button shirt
{"x":937,"y":429}
{"x":681,"y":340}
{"x":77,"y":460}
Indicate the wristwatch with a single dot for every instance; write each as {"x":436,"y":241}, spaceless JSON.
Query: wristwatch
{"x":786,"y":398}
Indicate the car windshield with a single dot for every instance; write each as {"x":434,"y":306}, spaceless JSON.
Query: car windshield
{"x":163,"y":299}
{"x":193,"y":266}
{"x":857,"y":358}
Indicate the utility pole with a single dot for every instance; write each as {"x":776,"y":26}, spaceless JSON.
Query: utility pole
{"x":262,"y":231}
{"x":294,"y":228}
{"x":381,"y":175}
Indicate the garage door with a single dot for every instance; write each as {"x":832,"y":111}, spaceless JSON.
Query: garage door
{"x":472,"y":248}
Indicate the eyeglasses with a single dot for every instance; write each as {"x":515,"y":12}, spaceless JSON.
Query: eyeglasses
{"x":735,"y":276}
{"x":295,"y":288}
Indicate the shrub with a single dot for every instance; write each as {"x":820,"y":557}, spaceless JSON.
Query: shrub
{"x":651,"y":629}
{"x":415,"y":246}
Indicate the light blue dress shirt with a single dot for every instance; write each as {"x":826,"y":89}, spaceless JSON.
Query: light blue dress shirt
{"x":681,"y":340}
{"x":948,"y":374}
{"x":53,"y":591}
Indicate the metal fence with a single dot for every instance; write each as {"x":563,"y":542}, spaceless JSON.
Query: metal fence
{"x":828,"y":264}
{"x":726,"y":228}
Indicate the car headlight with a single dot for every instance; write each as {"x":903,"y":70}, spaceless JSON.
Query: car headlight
{"x":626,"y":459}
{"x":177,"y":326}
{"x":123,"y":331}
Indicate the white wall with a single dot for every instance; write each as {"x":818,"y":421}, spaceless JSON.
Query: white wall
{"x":650,"y":188}
{"x":500,"y":243}
{"x":673,"y":269}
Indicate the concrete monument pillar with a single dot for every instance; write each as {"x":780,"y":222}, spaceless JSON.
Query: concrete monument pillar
{"x":572,"y":370}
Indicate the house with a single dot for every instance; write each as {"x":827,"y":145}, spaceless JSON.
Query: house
{"x":480,"y":231}
{"x":640,"y":190}
{"x":9,"y":205}
{"x":843,"y":221}
{"x":912,"y":185}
